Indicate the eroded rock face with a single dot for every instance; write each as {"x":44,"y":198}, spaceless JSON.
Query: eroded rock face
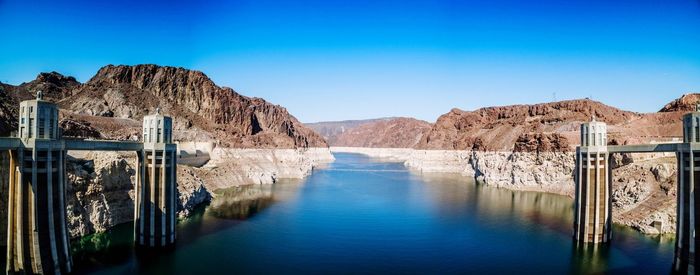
{"x":232,"y":167}
{"x":644,"y":193}
{"x":78,"y":129}
{"x":191,"y":191}
{"x":541,"y":142}
{"x":545,"y":171}
{"x":101,"y":192}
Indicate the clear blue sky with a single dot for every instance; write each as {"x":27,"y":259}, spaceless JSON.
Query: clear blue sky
{"x":334,"y":60}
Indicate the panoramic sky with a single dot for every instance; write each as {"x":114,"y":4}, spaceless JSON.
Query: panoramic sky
{"x":336,"y":60}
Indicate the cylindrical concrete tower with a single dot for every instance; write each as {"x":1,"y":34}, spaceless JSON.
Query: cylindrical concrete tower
{"x":593,"y":212}
{"x":37,"y":239}
{"x":156,"y":188}
{"x":688,"y":178}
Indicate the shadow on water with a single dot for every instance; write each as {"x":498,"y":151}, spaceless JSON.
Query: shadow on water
{"x":115,"y":246}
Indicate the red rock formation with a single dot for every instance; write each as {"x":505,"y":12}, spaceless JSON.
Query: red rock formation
{"x":199,"y":107}
{"x":54,"y":85}
{"x":541,"y":142}
{"x":549,"y":126}
{"x":685,"y":103}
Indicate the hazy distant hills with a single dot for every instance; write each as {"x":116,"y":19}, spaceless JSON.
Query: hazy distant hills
{"x":394,"y":132}
{"x":114,"y":101}
{"x":331,"y":129}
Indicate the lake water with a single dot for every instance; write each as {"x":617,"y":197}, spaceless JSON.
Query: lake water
{"x":359,"y":215}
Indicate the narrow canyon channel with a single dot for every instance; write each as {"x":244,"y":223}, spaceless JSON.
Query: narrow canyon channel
{"x":358,"y":215}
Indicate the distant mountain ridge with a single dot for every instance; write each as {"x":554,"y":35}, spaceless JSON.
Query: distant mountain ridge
{"x":393,"y":132}
{"x":329,"y":130}
{"x":117,"y":97}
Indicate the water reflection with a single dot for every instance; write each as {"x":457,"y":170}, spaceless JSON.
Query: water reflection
{"x":241,"y":202}
{"x":498,"y":205}
{"x":589,"y":258}
{"x":231,"y":206}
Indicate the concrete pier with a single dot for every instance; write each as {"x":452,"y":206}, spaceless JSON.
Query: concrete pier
{"x":156,"y":187}
{"x":688,"y":157}
{"x":37,"y":235}
{"x":592,"y":206}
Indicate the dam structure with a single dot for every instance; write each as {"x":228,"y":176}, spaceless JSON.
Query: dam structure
{"x":593,"y":215}
{"x":593,"y":178}
{"x":154,"y":222}
{"x":38,"y":239}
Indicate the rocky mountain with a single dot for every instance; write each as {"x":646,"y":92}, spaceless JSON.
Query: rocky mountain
{"x":546,"y":127}
{"x":114,"y":101}
{"x":686,"y":103}
{"x":390,"y":133}
{"x":54,"y":85}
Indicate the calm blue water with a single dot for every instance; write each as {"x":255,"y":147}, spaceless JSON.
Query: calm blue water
{"x":363,"y":216}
